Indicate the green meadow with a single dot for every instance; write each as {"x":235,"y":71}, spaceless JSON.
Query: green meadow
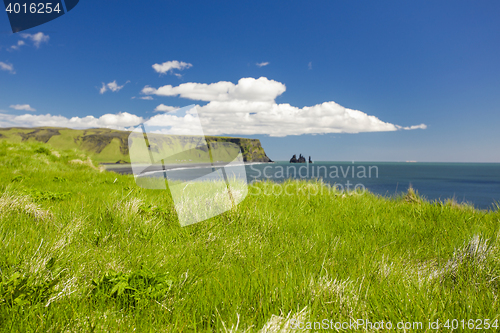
{"x":82,"y":249}
{"x":105,"y":145}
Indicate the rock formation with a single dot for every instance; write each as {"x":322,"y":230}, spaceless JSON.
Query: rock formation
{"x":301,"y":159}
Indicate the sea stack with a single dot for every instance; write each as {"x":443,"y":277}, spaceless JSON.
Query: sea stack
{"x":301,"y":159}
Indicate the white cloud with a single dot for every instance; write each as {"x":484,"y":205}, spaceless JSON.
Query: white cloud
{"x":113,"y":86}
{"x":19,"y":43}
{"x":249,"y":107}
{"x":149,"y":98}
{"x":262,"y":64}
{"x":37,"y":38}
{"x":170,"y":66}
{"x":248,"y":117}
{"x":165,"y":108}
{"x":310,"y":65}
{"x":421,"y":126}
{"x":103,"y":88}
{"x":23,"y":107}
{"x":248,"y":89}
{"x":119,"y":121}
{"x":7,"y":67}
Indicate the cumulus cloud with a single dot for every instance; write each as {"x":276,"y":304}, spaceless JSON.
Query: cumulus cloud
{"x":169,"y":66}
{"x":262,"y":64}
{"x":37,"y":38}
{"x":7,"y":67}
{"x":248,"y":117}
{"x":245,"y":108}
{"x":113,"y":86}
{"x":249,"y":108}
{"x":249,"y":89}
{"x":165,"y":108}
{"x":121,"y":121}
{"x":149,"y":98}
{"x":23,"y":107}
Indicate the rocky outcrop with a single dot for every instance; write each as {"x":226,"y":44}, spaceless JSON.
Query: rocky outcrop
{"x":301,"y":159}
{"x":250,"y":148}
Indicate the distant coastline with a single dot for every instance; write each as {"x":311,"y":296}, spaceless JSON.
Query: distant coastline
{"x":105,"y":145}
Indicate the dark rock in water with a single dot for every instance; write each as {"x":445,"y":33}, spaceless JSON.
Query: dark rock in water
{"x":301,"y":159}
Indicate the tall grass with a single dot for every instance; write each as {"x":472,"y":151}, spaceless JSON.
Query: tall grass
{"x":86,"y":250}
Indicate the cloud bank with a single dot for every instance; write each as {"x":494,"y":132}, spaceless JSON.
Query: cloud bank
{"x":245,"y":108}
{"x":249,"y":107}
{"x":119,"y":121}
{"x":247,"y":89}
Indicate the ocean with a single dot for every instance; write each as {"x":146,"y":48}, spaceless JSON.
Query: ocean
{"x":474,"y":183}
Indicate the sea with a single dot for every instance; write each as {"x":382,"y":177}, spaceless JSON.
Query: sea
{"x":477,"y":184}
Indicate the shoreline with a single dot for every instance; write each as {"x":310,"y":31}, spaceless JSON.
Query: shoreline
{"x":126,"y":168}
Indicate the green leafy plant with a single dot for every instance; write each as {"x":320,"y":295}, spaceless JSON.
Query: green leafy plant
{"x":19,"y":290}
{"x":129,"y":288}
{"x":152,"y":210}
{"x":18,"y":178}
{"x":38,"y":196}
{"x":42,"y":150}
{"x":59,"y":179}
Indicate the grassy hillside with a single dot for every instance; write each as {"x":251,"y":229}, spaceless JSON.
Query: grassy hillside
{"x":110,"y":146}
{"x":86,"y":250}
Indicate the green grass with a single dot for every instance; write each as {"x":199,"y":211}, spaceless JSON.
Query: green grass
{"x":87,"y":250}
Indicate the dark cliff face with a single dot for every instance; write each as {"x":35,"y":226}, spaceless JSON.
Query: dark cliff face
{"x":250,"y":148}
{"x":99,"y":141}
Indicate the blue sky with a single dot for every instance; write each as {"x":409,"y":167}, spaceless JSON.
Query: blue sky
{"x":429,"y":64}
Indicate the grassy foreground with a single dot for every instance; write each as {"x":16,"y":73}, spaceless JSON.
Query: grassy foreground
{"x":86,"y":250}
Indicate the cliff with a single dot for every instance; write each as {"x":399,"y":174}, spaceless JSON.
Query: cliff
{"x":111,"y":146}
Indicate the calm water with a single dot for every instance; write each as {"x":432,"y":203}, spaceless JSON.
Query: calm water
{"x":475,"y":183}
